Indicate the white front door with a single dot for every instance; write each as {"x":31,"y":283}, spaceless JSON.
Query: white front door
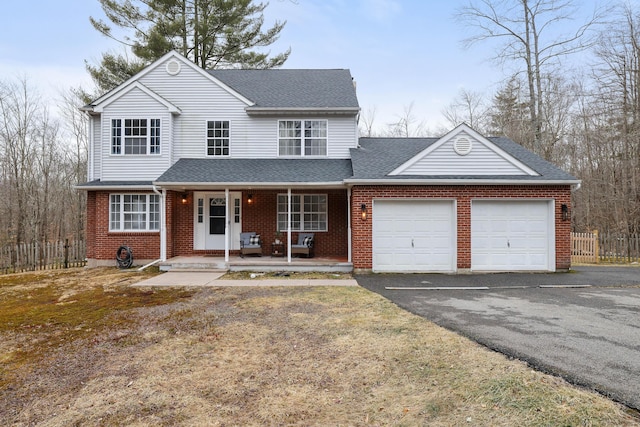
{"x":210,"y":210}
{"x":414,"y":236}
{"x":512,"y":235}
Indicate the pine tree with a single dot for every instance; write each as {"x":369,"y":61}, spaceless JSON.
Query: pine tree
{"x":212,"y":33}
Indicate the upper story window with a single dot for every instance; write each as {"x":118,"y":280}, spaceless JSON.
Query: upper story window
{"x":135,"y":136}
{"x":302,"y":137}
{"x":134,"y":212}
{"x":217,"y":138}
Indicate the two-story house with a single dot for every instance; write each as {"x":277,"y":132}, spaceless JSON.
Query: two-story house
{"x":182,"y":160}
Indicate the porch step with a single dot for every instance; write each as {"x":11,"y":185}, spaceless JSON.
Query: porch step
{"x":215,"y":265}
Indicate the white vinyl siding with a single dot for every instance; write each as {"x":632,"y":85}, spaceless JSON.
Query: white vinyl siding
{"x":200,"y":100}
{"x":134,"y":212}
{"x":183,"y":135}
{"x":481,"y":160}
{"x":132,"y":106}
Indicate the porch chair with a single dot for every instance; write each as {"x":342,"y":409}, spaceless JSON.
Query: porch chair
{"x":304,"y":245}
{"x":250,"y":243}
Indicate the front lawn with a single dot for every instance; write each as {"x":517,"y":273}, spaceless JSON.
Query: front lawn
{"x":82,"y":347}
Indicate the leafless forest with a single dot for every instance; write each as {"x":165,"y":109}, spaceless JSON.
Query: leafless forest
{"x":571,"y":96}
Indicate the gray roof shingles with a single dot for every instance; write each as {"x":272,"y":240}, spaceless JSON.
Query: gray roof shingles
{"x":377,"y":157}
{"x":258,"y":171}
{"x":287,"y":88}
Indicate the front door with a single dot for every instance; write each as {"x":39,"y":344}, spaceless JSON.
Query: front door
{"x":210,"y":218}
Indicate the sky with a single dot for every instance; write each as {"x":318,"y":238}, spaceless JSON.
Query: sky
{"x":401,"y":53}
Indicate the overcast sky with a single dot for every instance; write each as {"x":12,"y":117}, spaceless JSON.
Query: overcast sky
{"x":399,"y":51}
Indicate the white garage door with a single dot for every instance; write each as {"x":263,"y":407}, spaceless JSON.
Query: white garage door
{"x":413,"y":236}
{"x":512,"y":236}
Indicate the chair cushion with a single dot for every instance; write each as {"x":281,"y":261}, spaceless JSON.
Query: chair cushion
{"x":254,"y":240}
{"x":307,"y":241}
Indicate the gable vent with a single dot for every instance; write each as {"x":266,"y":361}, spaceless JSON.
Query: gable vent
{"x":462,"y":145}
{"x":173,"y":67}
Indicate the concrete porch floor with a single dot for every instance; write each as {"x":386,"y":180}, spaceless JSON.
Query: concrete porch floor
{"x":256,"y":263}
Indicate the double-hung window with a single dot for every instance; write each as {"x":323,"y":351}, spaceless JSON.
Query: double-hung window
{"x":217,"y":138}
{"x":302,"y":137}
{"x":308,"y":212}
{"x":135,"y":136}
{"x":134,"y":212}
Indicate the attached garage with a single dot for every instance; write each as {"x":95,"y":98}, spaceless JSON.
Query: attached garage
{"x":512,"y":235}
{"x":414,"y":236}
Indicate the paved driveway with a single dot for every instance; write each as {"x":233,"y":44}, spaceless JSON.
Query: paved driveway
{"x":588,"y":335}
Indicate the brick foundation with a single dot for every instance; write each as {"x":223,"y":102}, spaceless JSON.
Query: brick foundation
{"x":261,"y":216}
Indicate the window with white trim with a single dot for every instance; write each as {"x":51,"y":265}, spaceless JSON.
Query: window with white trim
{"x":134,"y":212}
{"x":308,"y":212}
{"x":135,"y":136}
{"x":217,"y":138}
{"x":302,"y":137}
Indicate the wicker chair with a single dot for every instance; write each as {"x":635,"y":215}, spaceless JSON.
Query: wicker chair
{"x":250,"y":243}
{"x":304,"y":245}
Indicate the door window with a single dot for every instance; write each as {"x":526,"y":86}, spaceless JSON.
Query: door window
{"x":217,"y":211}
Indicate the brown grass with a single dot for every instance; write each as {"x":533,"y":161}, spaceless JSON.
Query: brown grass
{"x":83,"y":348}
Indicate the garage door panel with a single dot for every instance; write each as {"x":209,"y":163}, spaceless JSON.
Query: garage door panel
{"x":511,"y":235}
{"x":413,"y":235}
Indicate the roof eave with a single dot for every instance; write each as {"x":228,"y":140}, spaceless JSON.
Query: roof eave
{"x":113,"y":187}
{"x":246,"y":185}
{"x":306,"y":111}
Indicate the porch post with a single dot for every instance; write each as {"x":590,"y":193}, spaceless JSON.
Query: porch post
{"x":163,"y":225}
{"x":226,"y":225}
{"x":349,"y":224}
{"x":289,"y":225}
{"x":162,"y":200}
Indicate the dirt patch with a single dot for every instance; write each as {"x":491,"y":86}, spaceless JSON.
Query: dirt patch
{"x":294,"y":275}
{"x":256,"y":356}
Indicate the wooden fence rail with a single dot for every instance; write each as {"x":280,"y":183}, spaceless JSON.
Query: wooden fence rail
{"x":614,"y":248}
{"x":42,"y":256}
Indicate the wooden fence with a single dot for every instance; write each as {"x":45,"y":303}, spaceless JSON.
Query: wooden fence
{"x":614,"y":248}
{"x":42,"y":256}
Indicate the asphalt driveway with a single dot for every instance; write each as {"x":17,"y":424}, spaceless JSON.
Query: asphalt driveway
{"x":583,"y":325}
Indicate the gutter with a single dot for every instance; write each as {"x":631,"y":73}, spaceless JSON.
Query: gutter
{"x":244,"y":185}
{"x":113,"y":187}
{"x":352,"y":182}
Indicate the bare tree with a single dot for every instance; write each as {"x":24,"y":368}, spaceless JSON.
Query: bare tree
{"x":468,"y":107}
{"x":367,"y":121}
{"x":535,"y":33}
{"x":407,"y":125}
{"x":18,"y":112}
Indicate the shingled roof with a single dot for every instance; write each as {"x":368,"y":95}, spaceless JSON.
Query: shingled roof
{"x":286,"y":88}
{"x":376,"y":158}
{"x":257,"y":171}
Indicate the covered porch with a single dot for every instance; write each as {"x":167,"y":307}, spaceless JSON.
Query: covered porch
{"x":210,"y":202}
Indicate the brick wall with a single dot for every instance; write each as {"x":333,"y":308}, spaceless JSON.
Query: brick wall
{"x":261,"y":216}
{"x":362,"y":230}
{"x":103,"y":245}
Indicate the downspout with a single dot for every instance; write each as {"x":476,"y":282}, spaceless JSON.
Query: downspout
{"x":349,"y":224}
